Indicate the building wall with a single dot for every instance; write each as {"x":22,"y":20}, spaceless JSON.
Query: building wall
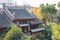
{"x":34,"y":26}
{"x":3,"y":29}
{"x":22,"y":21}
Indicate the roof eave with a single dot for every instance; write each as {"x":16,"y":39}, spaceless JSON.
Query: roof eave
{"x":36,"y":23}
{"x":23,"y":19}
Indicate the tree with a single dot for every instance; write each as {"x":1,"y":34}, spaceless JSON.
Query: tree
{"x":55,"y":30}
{"x":36,"y":12}
{"x":48,"y":10}
{"x":14,"y":33}
{"x":42,"y":8}
{"x":48,"y":32}
{"x":58,"y":13}
{"x":58,"y":4}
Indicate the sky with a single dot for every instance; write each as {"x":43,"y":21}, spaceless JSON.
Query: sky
{"x":35,"y":2}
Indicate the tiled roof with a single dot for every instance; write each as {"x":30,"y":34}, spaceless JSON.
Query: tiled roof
{"x":38,"y":20}
{"x":20,"y":13}
{"x":4,"y":22}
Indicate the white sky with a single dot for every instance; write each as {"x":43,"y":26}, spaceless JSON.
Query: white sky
{"x":35,"y":2}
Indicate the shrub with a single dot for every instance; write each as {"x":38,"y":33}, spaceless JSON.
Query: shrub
{"x":40,"y":37}
{"x":14,"y":33}
{"x":55,"y":30}
{"x":29,"y":38}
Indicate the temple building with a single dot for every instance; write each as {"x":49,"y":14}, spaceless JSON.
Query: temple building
{"x":20,"y":16}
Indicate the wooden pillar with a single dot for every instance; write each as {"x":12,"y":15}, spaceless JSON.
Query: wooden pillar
{"x":28,"y":26}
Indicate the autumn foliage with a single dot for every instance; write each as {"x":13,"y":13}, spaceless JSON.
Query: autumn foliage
{"x":55,"y":30}
{"x":36,"y":12}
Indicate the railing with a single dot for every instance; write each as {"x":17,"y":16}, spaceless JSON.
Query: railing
{"x":24,"y":25}
{"x":37,"y":30}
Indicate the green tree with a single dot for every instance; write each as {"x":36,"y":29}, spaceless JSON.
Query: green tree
{"x":48,"y":10}
{"x":48,"y":32}
{"x":14,"y":33}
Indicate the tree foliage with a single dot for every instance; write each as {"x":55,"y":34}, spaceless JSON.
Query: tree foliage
{"x":14,"y":33}
{"x":29,"y":38}
{"x":40,"y":37}
{"x":47,"y":9}
{"x":58,"y":13}
{"x":55,"y":30}
{"x":58,"y":4}
{"x":36,"y":12}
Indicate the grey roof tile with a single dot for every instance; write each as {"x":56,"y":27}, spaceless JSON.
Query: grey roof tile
{"x":38,"y":20}
{"x":21,"y":13}
{"x":4,"y":22}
